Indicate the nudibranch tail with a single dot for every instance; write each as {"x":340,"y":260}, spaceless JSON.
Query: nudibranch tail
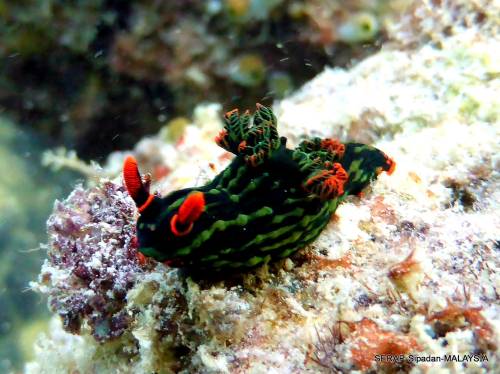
{"x":135,"y":187}
{"x":391,"y":164}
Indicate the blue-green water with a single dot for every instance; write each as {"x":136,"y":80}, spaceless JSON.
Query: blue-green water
{"x":27,"y":193}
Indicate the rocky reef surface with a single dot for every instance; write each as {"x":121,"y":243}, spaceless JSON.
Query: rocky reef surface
{"x":410,"y":268}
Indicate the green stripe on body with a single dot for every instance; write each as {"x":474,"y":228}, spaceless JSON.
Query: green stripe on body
{"x":234,"y":182}
{"x":220,"y":225}
{"x":262,"y":238}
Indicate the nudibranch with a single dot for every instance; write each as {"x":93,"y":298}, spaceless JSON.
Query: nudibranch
{"x":268,"y":203}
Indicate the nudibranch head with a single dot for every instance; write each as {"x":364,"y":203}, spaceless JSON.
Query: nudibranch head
{"x":161,"y":221}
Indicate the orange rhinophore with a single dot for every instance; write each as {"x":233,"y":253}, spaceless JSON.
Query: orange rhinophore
{"x":133,"y":182}
{"x":192,"y":207}
{"x":132,"y":177}
{"x":189,"y":212}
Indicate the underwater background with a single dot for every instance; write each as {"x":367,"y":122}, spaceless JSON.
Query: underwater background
{"x":80,"y":80}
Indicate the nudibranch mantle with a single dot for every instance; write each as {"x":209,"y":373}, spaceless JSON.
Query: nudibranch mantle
{"x":269,"y":202}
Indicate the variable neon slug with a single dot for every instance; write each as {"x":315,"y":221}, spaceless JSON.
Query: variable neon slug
{"x":268,"y":203}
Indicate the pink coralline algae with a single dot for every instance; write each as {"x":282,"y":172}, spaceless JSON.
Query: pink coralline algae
{"x":92,"y":260}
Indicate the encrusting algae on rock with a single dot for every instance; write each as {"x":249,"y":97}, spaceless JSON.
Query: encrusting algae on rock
{"x":92,"y":246}
{"x":411,"y":268}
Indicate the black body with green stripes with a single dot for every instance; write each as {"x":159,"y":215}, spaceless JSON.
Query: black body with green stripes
{"x":253,"y":214}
